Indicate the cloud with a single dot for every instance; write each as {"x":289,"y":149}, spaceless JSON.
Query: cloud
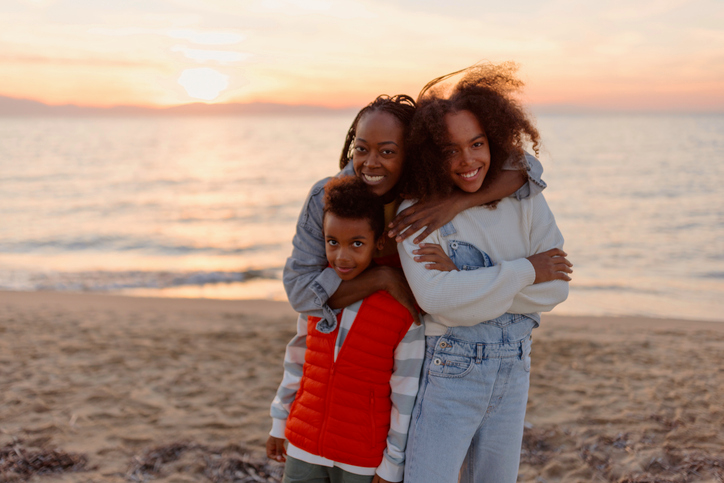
{"x":201,"y":37}
{"x":201,"y":55}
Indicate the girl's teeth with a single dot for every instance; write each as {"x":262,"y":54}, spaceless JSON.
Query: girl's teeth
{"x":373,"y":178}
{"x":470,"y":174}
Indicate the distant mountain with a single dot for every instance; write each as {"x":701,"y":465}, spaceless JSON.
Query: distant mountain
{"x":10,"y":106}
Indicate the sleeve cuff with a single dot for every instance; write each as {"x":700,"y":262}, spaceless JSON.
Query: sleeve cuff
{"x":526,"y":270}
{"x":390,"y":471}
{"x":325,"y":285}
{"x":278,"y":428}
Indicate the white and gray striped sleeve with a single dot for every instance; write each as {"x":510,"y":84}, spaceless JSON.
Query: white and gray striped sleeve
{"x":293,"y":368}
{"x":404,"y":382}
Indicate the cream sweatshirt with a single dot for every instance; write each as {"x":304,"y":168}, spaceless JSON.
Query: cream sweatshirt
{"x":508,"y":234}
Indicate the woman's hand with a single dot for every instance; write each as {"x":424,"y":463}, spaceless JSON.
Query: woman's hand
{"x":275,"y":449}
{"x":435,"y":257}
{"x":432,"y":213}
{"x":396,"y":285}
{"x":551,"y":265}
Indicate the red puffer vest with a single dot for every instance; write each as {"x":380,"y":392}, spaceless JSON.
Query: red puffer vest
{"x":342,"y":408}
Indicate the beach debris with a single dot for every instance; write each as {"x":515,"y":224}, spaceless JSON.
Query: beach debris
{"x":19,"y":461}
{"x":228,"y":464}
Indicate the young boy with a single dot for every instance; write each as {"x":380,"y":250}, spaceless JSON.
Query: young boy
{"x":345,"y":401}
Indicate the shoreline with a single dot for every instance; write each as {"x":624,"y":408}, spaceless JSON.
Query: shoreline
{"x":115,"y":378}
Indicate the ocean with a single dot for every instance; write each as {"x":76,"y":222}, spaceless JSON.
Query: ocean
{"x":207,"y":206}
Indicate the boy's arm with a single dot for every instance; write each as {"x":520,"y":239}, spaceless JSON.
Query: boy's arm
{"x":435,"y":213}
{"x":404,"y":382}
{"x":293,"y":367}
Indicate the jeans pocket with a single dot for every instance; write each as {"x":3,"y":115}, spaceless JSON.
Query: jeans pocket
{"x":448,"y":365}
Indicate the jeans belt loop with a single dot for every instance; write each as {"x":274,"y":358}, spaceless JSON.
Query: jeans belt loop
{"x":479,"y":356}
{"x":521,"y":349}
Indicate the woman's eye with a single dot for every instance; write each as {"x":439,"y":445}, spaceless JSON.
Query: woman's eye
{"x":360,"y":149}
{"x":388,"y":151}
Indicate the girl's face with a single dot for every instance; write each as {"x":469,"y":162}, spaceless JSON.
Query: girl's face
{"x":468,"y":153}
{"x":379,"y":151}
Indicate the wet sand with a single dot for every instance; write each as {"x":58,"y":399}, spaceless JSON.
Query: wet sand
{"x":178,"y":390}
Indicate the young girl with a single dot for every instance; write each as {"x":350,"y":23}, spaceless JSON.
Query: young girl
{"x":482,"y":279}
{"x":375,"y":151}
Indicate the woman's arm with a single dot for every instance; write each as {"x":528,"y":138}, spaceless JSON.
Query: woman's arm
{"x":436,"y":212}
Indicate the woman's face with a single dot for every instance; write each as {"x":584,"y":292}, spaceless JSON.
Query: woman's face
{"x":468,"y":153}
{"x":379,"y":151}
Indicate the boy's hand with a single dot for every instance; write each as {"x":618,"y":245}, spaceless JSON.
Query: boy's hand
{"x":378,"y":479}
{"x":551,"y":265}
{"x":435,"y":256}
{"x":275,"y":449}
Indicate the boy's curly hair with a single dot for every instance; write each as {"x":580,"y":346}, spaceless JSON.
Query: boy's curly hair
{"x":401,"y":106}
{"x":486,"y":90}
{"x":349,"y":197}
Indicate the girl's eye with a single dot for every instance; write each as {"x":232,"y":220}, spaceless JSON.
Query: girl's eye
{"x":478,"y":144}
{"x":357,"y":244}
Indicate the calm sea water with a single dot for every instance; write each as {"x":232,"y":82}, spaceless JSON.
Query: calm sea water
{"x":206,"y":207}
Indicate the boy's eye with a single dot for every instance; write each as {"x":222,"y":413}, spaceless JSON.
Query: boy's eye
{"x":332,"y":242}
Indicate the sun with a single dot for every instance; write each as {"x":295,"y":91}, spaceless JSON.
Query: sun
{"x":203,"y":83}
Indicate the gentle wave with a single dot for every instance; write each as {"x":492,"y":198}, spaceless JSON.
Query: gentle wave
{"x":126,"y":244}
{"x":109,"y":281}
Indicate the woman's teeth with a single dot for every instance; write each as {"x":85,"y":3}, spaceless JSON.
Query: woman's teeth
{"x":470,"y":174}
{"x":373,"y":179}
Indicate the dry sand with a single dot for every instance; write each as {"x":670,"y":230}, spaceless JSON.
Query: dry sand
{"x":174,"y":390}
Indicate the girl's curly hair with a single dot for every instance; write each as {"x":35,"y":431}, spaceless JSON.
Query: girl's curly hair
{"x":349,"y":197}
{"x":401,"y":106}
{"x":486,"y":90}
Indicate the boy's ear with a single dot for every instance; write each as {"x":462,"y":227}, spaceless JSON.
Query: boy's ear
{"x":380,"y":243}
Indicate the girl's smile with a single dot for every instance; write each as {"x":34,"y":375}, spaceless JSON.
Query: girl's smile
{"x":468,"y":153}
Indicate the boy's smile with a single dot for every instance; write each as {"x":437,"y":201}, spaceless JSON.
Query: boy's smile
{"x":349,"y":244}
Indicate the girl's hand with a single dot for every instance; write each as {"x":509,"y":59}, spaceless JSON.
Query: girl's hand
{"x":551,"y":265}
{"x":379,"y":479}
{"x":275,"y":449}
{"x":432,"y":213}
{"x":435,"y":256}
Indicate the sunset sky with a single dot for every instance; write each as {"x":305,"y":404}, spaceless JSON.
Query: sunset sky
{"x":628,"y":54}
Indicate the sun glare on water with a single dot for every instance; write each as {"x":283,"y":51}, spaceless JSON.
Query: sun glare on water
{"x":203,"y":83}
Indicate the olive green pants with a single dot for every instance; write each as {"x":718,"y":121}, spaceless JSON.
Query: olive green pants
{"x":297,"y":471}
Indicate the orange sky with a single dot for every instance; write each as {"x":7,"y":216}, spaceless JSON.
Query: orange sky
{"x":650,"y":55}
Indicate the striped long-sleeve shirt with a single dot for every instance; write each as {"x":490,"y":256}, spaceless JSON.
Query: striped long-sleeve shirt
{"x":409,"y":355}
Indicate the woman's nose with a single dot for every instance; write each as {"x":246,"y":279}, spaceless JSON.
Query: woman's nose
{"x":372,"y":160}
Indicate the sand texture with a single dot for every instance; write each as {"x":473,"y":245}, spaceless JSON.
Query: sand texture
{"x":118,"y":389}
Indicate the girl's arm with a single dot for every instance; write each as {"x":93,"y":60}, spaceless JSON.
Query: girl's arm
{"x":543,"y":236}
{"x":436,"y":212}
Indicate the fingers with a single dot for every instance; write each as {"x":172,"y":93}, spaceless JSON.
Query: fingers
{"x":424,"y":234}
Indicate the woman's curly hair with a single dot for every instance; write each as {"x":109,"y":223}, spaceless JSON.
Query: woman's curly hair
{"x":349,"y":197}
{"x":401,"y":106}
{"x":486,"y":90}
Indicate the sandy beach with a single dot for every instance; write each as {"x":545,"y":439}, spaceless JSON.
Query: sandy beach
{"x":114,"y":389}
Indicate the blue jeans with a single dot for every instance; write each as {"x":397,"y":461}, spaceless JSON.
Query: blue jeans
{"x":470,"y":408}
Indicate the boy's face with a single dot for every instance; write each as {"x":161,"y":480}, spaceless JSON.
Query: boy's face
{"x":349,"y":244}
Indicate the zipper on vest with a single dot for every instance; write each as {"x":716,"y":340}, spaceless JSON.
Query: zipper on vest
{"x":323,"y":433}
